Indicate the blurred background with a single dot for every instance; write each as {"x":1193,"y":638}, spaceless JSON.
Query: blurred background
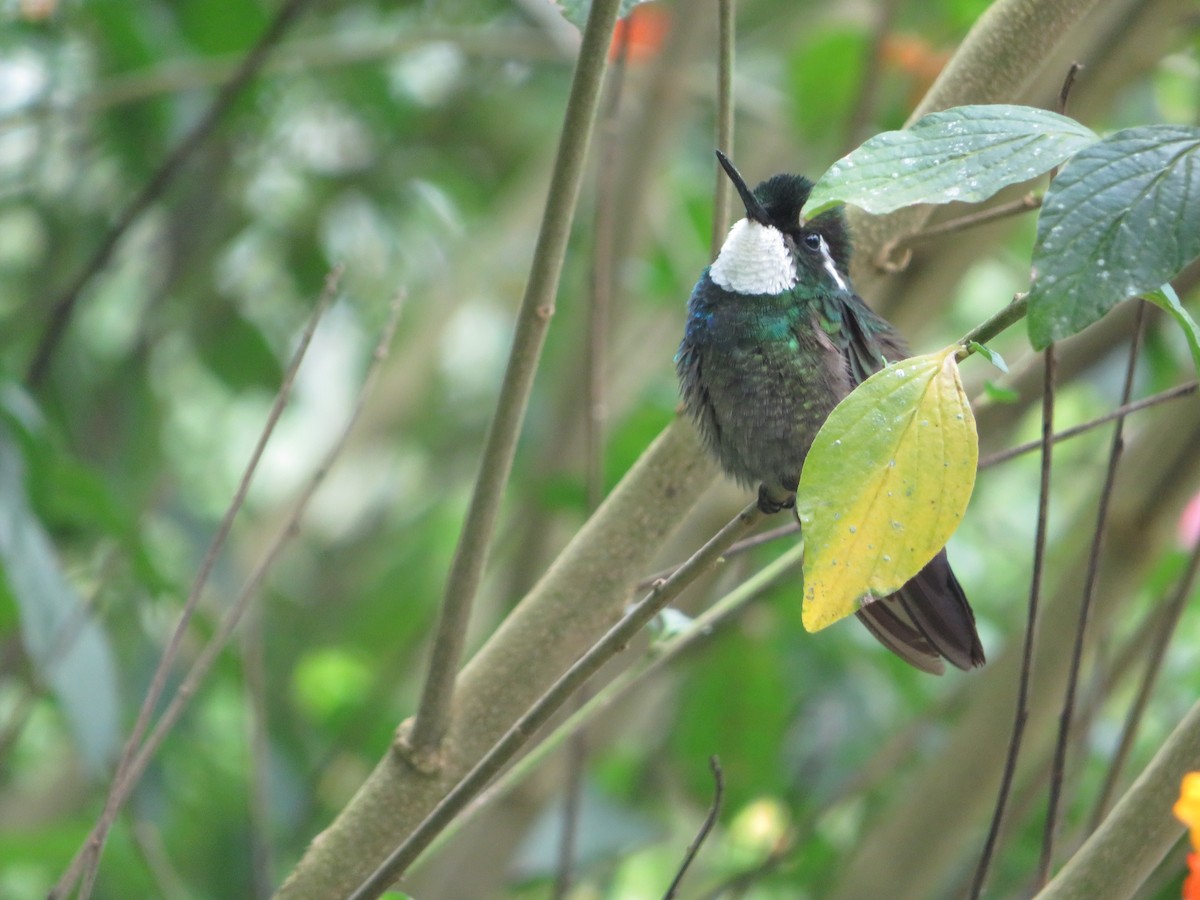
{"x":412,"y":143}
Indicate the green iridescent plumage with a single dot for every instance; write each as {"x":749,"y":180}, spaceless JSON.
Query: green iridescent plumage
{"x":775,"y":338}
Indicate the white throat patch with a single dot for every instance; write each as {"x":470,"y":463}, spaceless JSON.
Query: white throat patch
{"x":754,"y":260}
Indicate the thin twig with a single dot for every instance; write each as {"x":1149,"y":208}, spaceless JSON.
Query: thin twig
{"x":1124,"y":409}
{"x":659,"y":655}
{"x":603,"y":267}
{"x":88,"y":855}
{"x":572,"y":805}
{"x":986,"y":462}
{"x":551,"y":701}
{"x":1010,"y":315}
{"x":1089,"y":593}
{"x":258,"y":781}
{"x":537,"y":308}
{"x":64,"y":306}
{"x":1024,"y":204}
{"x":743,"y":546}
{"x":709,"y":821}
{"x":229,"y":622}
{"x":594,"y":419}
{"x":886,"y":261}
{"x":1035,"y":590}
{"x":1064,"y":94}
{"x":1154,"y":659}
{"x":147,"y":840}
{"x":725,"y":51}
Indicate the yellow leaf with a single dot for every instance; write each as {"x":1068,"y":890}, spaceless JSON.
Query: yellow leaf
{"x":885,"y":484}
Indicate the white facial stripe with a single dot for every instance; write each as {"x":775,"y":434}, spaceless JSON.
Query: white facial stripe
{"x":754,"y":260}
{"x":827,"y":259}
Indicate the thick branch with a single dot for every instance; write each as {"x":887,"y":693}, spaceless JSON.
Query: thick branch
{"x":1135,"y":837}
{"x":574,"y":603}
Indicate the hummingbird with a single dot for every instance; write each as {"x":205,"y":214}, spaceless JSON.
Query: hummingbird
{"x":776,"y":336}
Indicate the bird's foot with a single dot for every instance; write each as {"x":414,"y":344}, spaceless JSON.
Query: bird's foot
{"x":770,"y":503}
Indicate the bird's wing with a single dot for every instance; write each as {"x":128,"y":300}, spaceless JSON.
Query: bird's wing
{"x":868,"y":341}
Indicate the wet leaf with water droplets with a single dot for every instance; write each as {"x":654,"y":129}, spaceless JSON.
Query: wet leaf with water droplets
{"x":876,"y":508}
{"x":1122,"y":218}
{"x":966,"y":153}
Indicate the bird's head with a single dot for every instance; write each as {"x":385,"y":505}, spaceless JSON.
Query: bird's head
{"x":773,"y":248}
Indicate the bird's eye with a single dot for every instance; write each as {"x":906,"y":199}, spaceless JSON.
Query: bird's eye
{"x":813,"y":241}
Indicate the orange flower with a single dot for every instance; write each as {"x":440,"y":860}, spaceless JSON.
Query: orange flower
{"x":1191,"y":884}
{"x":1187,"y":807}
{"x":645,"y":29}
{"x":915,"y":57}
{"x":1187,"y":811}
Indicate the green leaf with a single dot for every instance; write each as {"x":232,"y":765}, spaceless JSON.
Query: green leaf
{"x":966,"y":153}
{"x":235,"y":351}
{"x":989,"y":354}
{"x":999,"y":393}
{"x":576,"y":11}
{"x":885,"y":485}
{"x":1122,"y":218}
{"x":1166,"y":297}
{"x":824,"y":75}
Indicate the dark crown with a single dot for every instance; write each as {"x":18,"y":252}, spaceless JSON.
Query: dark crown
{"x":784,"y":195}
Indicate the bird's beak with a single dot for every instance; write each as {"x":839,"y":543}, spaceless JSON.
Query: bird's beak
{"x":755,"y":211}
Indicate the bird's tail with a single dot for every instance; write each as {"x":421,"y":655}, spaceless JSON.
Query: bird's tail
{"x":927,"y":621}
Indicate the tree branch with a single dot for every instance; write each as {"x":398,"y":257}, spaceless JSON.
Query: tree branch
{"x":1089,"y":595}
{"x":1135,"y":837}
{"x":724,"y":135}
{"x":533,"y":322}
{"x":573,"y":604}
{"x":88,"y":856}
{"x":709,"y":821}
{"x":537,"y":715}
{"x":1021,"y":714}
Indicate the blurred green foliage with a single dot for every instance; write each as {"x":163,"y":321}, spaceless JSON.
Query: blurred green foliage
{"x":412,"y":144}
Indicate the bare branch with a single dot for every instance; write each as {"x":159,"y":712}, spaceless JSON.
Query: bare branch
{"x":1089,"y":593}
{"x":1035,"y":591}
{"x":709,"y":821}
{"x":539,"y":713}
{"x":537,"y":308}
{"x":1155,"y":654}
{"x":659,"y":655}
{"x":594,"y":414}
{"x":88,"y":856}
{"x":1124,"y":409}
{"x":725,"y":49}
